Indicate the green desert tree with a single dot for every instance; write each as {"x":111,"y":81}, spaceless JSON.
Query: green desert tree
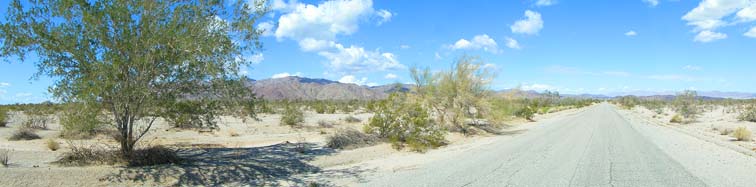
{"x":686,"y":104}
{"x":135,"y":58}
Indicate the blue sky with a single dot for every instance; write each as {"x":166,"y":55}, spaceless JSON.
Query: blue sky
{"x":571,"y":46}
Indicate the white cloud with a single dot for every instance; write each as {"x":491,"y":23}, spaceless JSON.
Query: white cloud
{"x":437,"y":56}
{"x":322,"y":21}
{"x":267,"y":28}
{"x":545,"y":2}
{"x":538,"y":87}
{"x":4,"y":84}
{"x":351,"y":79}
{"x":286,"y":74}
{"x":692,"y":67}
{"x":631,"y":33}
{"x":357,"y":59}
{"x":709,"y":36}
{"x":512,"y":43}
{"x":709,"y":13}
{"x":390,"y":76}
{"x":747,"y":13}
{"x":652,"y":3}
{"x":532,"y":23}
{"x":315,"y":28}
{"x":483,"y":41}
{"x":385,"y":16}
{"x":751,"y":33}
{"x":23,"y":94}
{"x":404,"y":46}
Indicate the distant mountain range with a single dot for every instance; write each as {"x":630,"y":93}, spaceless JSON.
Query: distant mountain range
{"x":302,"y":88}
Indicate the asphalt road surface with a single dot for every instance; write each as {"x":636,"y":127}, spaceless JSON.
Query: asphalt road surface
{"x":595,"y":147}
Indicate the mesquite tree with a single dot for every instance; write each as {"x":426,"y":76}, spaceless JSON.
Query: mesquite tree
{"x":136,"y":58}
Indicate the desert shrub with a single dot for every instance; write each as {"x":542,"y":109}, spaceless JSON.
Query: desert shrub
{"x":405,"y":123}
{"x":154,"y":155}
{"x":24,"y":134}
{"x":4,"y":157}
{"x":81,"y":121}
{"x":233,"y":133}
{"x":52,"y":145}
{"x":526,"y":112}
{"x":292,"y":116}
{"x":326,"y":124}
{"x":456,"y":95}
{"x":81,"y":155}
{"x":742,"y":134}
{"x":35,"y":121}
{"x":319,"y":107}
{"x":3,"y":117}
{"x":350,"y":139}
{"x":352,"y":119}
{"x":676,"y":119}
{"x":748,"y":115}
{"x":686,"y":104}
{"x":628,"y":102}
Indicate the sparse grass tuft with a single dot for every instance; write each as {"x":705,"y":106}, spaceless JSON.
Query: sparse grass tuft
{"x":24,"y":134}
{"x":233,"y":133}
{"x":725,"y":131}
{"x":676,"y":119}
{"x":4,"y":157}
{"x":52,"y":145}
{"x":742,"y":134}
{"x":350,"y":139}
{"x":352,"y":119}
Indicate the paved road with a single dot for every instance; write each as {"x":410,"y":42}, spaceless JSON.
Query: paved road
{"x":596,"y":147}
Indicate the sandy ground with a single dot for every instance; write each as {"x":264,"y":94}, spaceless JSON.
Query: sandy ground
{"x":245,"y":153}
{"x":707,"y":126}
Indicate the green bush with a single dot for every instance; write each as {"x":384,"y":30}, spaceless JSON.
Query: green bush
{"x":686,"y":104}
{"x":405,"y":123}
{"x":350,"y":139}
{"x":3,"y":117}
{"x":526,"y":112}
{"x":292,"y":116}
{"x":192,"y":114}
{"x":81,"y":121}
{"x":748,"y":115}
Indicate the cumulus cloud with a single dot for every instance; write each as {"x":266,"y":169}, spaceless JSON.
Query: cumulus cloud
{"x":631,"y":33}
{"x":751,"y":33}
{"x":512,"y":43}
{"x":478,"y":42}
{"x":351,"y":79}
{"x":532,"y":23}
{"x":709,"y":36}
{"x":390,"y":76}
{"x":315,"y":28}
{"x":711,"y":15}
{"x":545,"y":2}
{"x":357,"y":59}
{"x":286,"y":74}
{"x":4,"y":84}
{"x":652,"y":3}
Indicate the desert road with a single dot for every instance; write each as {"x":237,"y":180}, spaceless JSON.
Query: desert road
{"x":599,"y":146}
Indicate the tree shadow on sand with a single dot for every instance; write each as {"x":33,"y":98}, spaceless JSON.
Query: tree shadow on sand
{"x":255,"y":166}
